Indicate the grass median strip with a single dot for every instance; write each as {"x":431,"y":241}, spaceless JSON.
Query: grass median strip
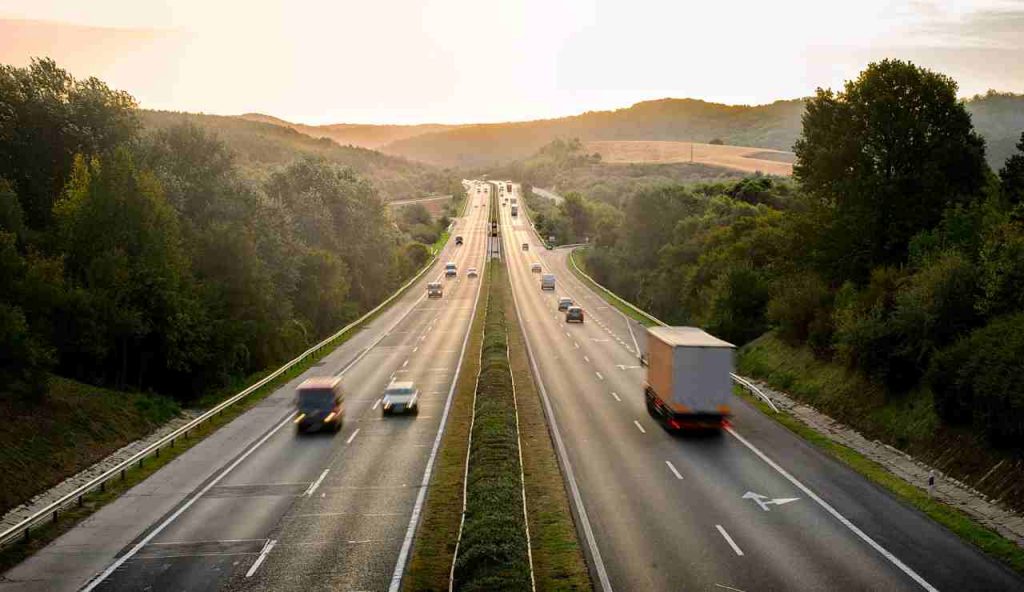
{"x":493,"y":551}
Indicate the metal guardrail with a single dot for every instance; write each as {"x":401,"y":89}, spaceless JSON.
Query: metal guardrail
{"x":76,"y":497}
{"x":736,"y":378}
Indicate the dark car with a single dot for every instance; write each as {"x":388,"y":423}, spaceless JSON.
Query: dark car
{"x":574,"y":315}
{"x":319,"y":404}
{"x":458,"y":240}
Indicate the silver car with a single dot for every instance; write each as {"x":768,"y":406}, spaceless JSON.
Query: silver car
{"x":401,"y":397}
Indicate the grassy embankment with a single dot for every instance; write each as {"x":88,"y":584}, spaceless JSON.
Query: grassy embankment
{"x":506,"y":420}
{"x":907,"y":422}
{"x":80,"y":425}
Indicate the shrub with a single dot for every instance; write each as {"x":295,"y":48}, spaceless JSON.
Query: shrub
{"x":800,"y":309}
{"x":982,"y":378}
{"x":737,"y":306}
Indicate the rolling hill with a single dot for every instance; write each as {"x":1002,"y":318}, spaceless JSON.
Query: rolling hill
{"x":355,"y":134}
{"x":260,"y":145}
{"x":998,"y":117}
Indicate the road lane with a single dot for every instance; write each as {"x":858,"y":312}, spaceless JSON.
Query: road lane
{"x":656,"y":531}
{"x":258,"y":529}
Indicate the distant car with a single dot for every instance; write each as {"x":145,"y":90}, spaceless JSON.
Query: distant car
{"x":547,"y":282}
{"x":535,"y":268}
{"x":401,"y":397}
{"x":450,"y":269}
{"x":435,"y":290}
{"x":526,"y":246}
{"x":458,"y":240}
{"x":574,"y":314}
{"x":564,"y":303}
{"x":471,"y":272}
{"x":319,"y":404}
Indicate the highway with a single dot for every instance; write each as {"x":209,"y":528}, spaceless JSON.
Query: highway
{"x":756,"y":508}
{"x":301,"y":512}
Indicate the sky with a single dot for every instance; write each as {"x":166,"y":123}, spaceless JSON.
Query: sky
{"x":466,"y":61}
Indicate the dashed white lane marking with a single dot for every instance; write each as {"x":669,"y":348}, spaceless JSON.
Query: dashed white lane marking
{"x":567,"y":335}
{"x":315,"y":484}
{"x":415,"y":348}
{"x":353,"y":436}
{"x":675,"y":471}
{"x":576,"y":345}
{"x":599,"y":376}
{"x":587,"y":359}
{"x":616,"y":395}
{"x":263,"y":555}
{"x":405,"y":363}
{"x":639,"y":427}
{"x":377,"y":402}
{"x":729,"y":540}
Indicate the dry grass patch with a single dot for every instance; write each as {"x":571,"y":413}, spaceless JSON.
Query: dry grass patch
{"x":740,"y":158}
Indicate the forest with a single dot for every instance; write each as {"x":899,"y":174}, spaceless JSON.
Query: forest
{"x":895,"y":251}
{"x":149,"y":259}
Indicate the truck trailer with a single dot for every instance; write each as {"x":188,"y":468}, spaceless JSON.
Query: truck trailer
{"x":689,"y":383}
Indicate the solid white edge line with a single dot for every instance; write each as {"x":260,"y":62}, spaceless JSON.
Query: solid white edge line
{"x":675,"y":471}
{"x":639,"y":427}
{"x":259,"y":560}
{"x":403,"y":554}
{"x":181,"y":509}
{"x":729,"y":540}
{"x":353,"y":436}
{"x":842,"y":519}
{"x":570,"y":475}
{"x":315,"y":484}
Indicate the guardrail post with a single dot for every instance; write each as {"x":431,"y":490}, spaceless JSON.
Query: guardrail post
{"x":158,"y":452}
{"x":55,"y":515}
{"x":80,"y":503}
{"x":27,"y":529}
{"x":122,"y":474}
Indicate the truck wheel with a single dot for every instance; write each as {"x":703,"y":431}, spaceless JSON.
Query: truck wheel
{"x":650,"y":409}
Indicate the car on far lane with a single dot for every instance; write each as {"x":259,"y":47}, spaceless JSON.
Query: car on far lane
{"x":564,"y":303}
{"x":401,"y":397}
{"x":319,"y":403}
{"x":526,"y":246}
{"x":450,"y":269}
{"x":471,"y":272}
{"x":434,"y":290}
{"x":574,"y":314}
{"x":547,"y":281}
{"x":458,"y":239}
{"x":535,"y":268}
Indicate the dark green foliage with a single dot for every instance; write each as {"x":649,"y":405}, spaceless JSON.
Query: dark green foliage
{"x":979,"y":379}
{"x":887,"y":156}
{"x":156,"y":261}
{"x":801,"y":310}
{"x":738,"y":305}
{"x":493,"y":551}
{"x":1012,"y":175}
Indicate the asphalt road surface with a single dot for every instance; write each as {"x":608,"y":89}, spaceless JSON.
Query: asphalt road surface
{"x":330,"y":511}
{"x":752,"y":509}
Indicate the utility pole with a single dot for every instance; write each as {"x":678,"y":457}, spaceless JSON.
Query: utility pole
{"x":691,"y":152}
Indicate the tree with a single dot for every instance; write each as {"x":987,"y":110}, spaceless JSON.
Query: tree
{"x":887,"y":156}
{"x":1012,"y":175}
{"x":46,"y":117}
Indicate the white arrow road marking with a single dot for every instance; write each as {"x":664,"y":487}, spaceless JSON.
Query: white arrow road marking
{"x":263,"y":555}
{"x":764,"y":501}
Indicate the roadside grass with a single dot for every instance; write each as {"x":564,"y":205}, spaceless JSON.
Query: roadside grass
{"x":74,"y":426}
{"x":493,"y":552}
{"x":907,"y":421}
{"x":960,"y":523}
{"x":558,"y":562}
{"x":430,"y":562}
{"x":611,"y":298}
{"x":42,"y":535}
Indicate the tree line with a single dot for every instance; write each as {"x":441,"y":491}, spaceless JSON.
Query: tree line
{"x":894,"y":250}
{"x":152,"y":261}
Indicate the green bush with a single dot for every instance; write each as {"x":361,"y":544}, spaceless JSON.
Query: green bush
{"x":737,"y":305}
{"x":801,"y":310}
{"x":981,"y":378}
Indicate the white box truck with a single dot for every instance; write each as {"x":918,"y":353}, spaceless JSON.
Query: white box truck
{"x":688,"y":386}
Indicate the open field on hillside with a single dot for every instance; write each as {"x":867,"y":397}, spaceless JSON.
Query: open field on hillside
{"x":741,"y":158}
{"x":435,"y":205}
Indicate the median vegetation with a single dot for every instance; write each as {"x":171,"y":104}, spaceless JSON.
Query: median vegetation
{"x":495,"y":394}
{"x":493,"y":551}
